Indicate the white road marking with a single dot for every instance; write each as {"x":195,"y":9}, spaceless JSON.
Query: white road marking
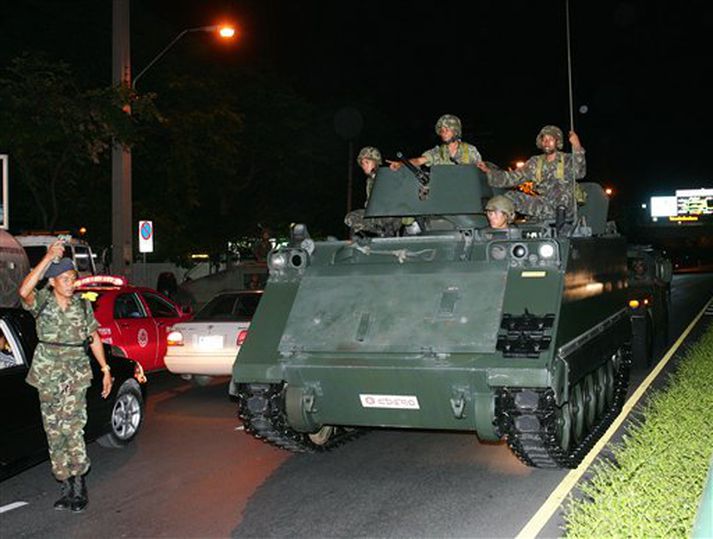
{"x":11,"y":506}
{"x":555,"y":500}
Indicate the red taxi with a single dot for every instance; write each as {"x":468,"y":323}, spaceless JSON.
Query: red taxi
{"x":132,"y":319}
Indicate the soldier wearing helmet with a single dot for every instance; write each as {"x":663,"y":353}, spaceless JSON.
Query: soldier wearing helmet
{"x":369,"y":159}
{"x":500,"y":211}
{"x":451,"y":151}
{"x":546,"y":181}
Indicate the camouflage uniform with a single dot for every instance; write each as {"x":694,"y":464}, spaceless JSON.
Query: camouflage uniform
{"x":62,"y":375}
{"x":551,"y":180}
{"x":466,"y":154}
{"x":355,"y":219}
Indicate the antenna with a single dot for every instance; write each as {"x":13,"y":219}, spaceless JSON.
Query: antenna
{"x":569,"y":68}
{"x":571,"y":109}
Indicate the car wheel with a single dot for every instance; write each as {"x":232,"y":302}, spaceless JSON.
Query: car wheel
{"x":127,"y":415}
{"x":201,"y":379}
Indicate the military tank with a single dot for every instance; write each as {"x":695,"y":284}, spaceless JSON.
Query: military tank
{"x":520,"y":333}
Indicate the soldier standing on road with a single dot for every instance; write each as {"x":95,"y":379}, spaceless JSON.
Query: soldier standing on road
{"x":452,"y":150}
{"x":369,"y":159}
{"x":546,"y":181}
{"x":60,"y":370}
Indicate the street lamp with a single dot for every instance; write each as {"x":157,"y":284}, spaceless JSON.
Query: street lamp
{"x":224,"y":31}
{"x":121,"y":198}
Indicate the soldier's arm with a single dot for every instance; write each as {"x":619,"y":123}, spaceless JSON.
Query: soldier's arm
{"x":27,"y":288}
{"x":98,"y":350}
{"x":417,"y":161}
{"x":506,"y":178}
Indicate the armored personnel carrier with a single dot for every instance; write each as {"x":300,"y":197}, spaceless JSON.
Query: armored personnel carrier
{"x":650,"y":275}
{"x":519,"y":333}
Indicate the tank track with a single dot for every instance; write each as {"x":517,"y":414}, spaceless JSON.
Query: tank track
{"x":531,"y":428}
{"x":262,"y":411}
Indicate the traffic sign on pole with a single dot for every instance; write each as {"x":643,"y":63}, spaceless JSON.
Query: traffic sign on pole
{"x":146,"y":236}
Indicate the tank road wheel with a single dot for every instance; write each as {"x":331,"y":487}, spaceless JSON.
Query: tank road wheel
{"x":262,"y":410}
{"x":610,"y":383}
{"x":590,"y":401}
{"x":322,"y":436}
{"x":601,"y":382}
{"x":576,"y":403}
{"x":564,"y":426}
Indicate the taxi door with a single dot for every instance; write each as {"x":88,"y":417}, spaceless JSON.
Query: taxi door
{"x":164,"y":314}
{"x":137,"y":332}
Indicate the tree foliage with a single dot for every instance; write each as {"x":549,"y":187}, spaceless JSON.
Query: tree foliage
{"x":55,"y":131}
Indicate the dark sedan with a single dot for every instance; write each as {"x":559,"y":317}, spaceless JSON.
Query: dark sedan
{"x":113,"y":422}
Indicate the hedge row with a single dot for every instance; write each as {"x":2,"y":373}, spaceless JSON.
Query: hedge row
{"x":653,"y":484}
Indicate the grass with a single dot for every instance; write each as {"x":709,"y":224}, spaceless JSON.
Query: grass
{"x":652,"y":486}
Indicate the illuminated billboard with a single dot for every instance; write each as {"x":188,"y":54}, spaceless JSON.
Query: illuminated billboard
{"x":694,"y":202}
{"x":687,"y":205}
{"x":663,"y":206}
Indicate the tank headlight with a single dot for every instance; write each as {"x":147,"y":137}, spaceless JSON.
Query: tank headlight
{"x":546,"y":250}
{"x":277,"y":260}
{"x":498,"y":252}
{"x":519,"y":250}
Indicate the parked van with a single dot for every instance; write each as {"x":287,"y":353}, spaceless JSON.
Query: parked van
{"x":36,"y":246}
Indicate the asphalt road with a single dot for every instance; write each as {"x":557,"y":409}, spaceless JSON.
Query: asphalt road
{"x":190,"y":473}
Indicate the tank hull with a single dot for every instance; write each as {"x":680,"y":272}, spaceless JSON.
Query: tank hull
{"x":366,"y":340}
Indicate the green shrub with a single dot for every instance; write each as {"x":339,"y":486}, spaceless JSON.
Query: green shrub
{"x":653,"y":485}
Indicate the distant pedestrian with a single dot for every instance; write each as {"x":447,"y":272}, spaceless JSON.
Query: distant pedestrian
{"x":546,"y":181}
{"x":60,"y":369}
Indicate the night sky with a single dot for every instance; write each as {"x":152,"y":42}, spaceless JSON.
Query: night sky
{"x":501,"y":66}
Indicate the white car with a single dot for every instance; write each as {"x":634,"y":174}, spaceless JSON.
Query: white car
{"x":207,"y":345}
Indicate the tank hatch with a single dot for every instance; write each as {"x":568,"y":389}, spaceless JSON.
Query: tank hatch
{"x":436,"y":311}
{"x":453,"y":190}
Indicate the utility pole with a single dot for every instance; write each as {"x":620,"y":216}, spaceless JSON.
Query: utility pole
{"x":121,"y":199}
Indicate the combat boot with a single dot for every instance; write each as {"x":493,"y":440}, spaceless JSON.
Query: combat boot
{"x":66,"y":498}
{"x":80,"y":499}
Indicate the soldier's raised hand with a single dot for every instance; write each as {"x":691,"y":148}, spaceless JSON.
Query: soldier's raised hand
{"x":574,"y":141}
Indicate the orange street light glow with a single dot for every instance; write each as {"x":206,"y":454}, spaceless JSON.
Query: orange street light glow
{"x":519,"y":164}
{"x":609,"y":191}
{"x":226,"y":31}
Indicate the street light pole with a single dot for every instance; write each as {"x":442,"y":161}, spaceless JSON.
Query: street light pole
{"x":121,"y":200}
{"x":172,"y":43}
{"x":121,"y":197}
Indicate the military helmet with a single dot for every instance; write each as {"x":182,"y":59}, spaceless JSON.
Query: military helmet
{"x":451,"y":122}
{"x":552,"y":130}
{"x":369,"y":152}
{"x":503,"y":204}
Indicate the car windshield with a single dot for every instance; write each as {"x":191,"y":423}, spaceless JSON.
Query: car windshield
{"x":229,"y":308}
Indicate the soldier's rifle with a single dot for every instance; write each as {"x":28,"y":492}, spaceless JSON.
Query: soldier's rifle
{"x":423,"y":177}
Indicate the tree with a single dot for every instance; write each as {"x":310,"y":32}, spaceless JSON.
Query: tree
{"x":53,"y":130}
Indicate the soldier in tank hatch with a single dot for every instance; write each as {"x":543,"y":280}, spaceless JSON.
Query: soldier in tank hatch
{"x":500,"y":212}
{"x":369,"y":159}
{"x":61,"y":371}
{"x":451,"y":151}
{"x":547,"y":181}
